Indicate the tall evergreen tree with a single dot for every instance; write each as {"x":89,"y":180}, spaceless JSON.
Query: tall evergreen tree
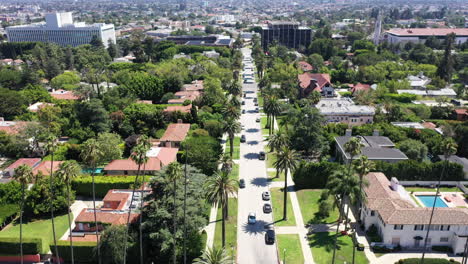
{"x":445,"y":68}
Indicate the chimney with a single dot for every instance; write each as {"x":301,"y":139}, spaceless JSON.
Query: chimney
{"x":348,"y":132}
{"x":375,"y":133}
{"x":179,"y":121}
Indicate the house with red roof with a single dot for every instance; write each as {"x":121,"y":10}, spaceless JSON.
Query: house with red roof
{"x":174,"y":134}
{"x":320,"y":82}
{"x":462,"y":114}
{"x":305,"y":66}
{"x":178,"y":108}
{"x":31,"y":162}
{"x":61,"y":94}
{"x":45,"y":167}
{"x":158,"y":157}
{"x":12,"y":127}
{"x":359,"y":87}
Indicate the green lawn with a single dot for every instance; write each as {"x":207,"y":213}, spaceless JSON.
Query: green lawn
{"x":321,"y":245}
{"x":271,"y":159}
{"x":236,"y":142}
{"x":38,"y":229}
{"x":231,"y":228}
{"x":293,"y":248}
{"x":260,"y":100}
{"x":309,"y":202}
{"x":277,"y":204}
{"x":235,"y":171}
{"x":236,"y":152}
{"x":263,"y":122}
{"x":272,"y":176}
{"x":427,"y":189}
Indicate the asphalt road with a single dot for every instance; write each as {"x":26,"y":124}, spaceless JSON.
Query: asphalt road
{"x":251,"y":247}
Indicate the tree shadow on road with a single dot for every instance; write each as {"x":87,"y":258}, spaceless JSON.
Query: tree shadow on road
{"x":251,"y":156}
{"x":257,"y":228}
{"x":259,"y":182}
{"x":253,"y":142}
{"x":252,"y":130}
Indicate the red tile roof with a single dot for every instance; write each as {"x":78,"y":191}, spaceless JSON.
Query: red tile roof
{"x":31,"y":162}
{"x":44,"y":167}
{"x":461,"y":111}
{"x":115,"y":196}
{"x":322,"y":79}
{"x":153,"y":164}
{"x":196,"y":85}
{"x":360,"y":87}
{"x":406,"y":32}
{"x":305,"y":66}
{"x":429,"y":125}
{"x":176,"y":132}
{"x":167,"y":155}
{"x":110,"y":217}
{"x":64,"y":95}
{"x":183,"y":109}
{"x":12,"y":127}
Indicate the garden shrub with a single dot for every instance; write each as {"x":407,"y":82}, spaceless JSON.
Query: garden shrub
{"x":7,"y":212}
{"x":312,"y":175}
{"x":411,"y":170}
{"x":11,"y":245}
{"x":447,"y":249}
{"x":83,"y":252}
{"x":83,"y":185}
{"x":373,"y":234}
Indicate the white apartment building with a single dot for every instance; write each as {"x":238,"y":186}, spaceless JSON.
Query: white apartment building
{"x":343,"y":110}
{"x":419,"y":35}
{"x":400,"y":221}
{"x":60,"y":29}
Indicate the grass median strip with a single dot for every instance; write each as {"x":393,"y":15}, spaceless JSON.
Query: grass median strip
{"x":290,"y":246}
{"x":236,"y":150}
{"x":277,"y":204}
{"x":272,"y":176}
{"x":309,"y":203}
{"x":231,"y":228}
{"x":322,"y":243}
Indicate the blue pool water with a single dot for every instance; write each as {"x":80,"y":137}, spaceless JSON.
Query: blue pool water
{"x":97,"y":171}
{"x":428,"y":200}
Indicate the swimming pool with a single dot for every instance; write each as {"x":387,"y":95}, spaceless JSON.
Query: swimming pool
{"x":428,"y":200}
{"x":88,"y":171}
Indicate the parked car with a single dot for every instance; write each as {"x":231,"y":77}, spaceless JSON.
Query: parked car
{"x":243,"y":102}
{"x":261,"y":155}
{"x":256,"y":110}
{"x":242,"y":139}
{"x":270,"y":237}
{"x":252,"y":219}
{"x":257,"y":120}
{"x":267,"y":208}
{"x":243,"y":111}
{"x":266,"y":196}
{"x":241,"y":183}
{"x":256,"y":104}
{"x":255,"y":99}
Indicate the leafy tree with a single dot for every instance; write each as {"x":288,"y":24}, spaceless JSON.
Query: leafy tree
{"x":445,"y":67}
{"x":213,"y":256}
{"x":10,"y":78}
{"x":112,"y":243}
{"x":213,"y":93}
{"x":39,"y":198}
{"x":363,"y":45}
{"x":218,"y":188}
{"x":93,"y":114}
{"x":67,"y":80}
{"x":96,"y":42}
{"x":159,"y":218}
{"x":141,"y":85}
{"x":174,"y":173}
{"x":324,"y":47}
{"x":23,"y":174}
{"x":110,"y":146}
{"x":231,"y":127}
{"x":112,"y":49}
{"x":12,"y":103}
{"x":35,"y":93}
{"x":204,"y":153}
{"x":414,"y":149}
{"x":306,"y":135}
{"x":286,"y":160}
{"x":316,"y":60}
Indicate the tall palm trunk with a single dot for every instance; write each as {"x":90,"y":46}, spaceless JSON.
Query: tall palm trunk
{"x":21,"y":223}
{"x":140,"y":229}
{"x":347,"y":214}
{"x":285,"y":198}
{"x":95,"y":215}
{"x":174,"y":257}
{"x":231,"y":147}
{"x":273,"y":123}
{"x":130,"y":212}
{"x":185,"y":207}
{"x":70,"y":223}
{"x":338,"y":228}
{"x":52,"y":206}
{"x":223,"y":225}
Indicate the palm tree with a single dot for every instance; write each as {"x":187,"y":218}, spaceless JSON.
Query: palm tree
{"x":213,"y":256}
{"x":448,"y":147}
{"x":226,"y":163}
{"x":362,"y":166}
{"x":276,"y":142}
{"x":275,"y":110}
{"x":51,"y":144}
{"x":218,"y":188}
{"x":91,"y":155}
{"x":174,"y":173}
{"x":231,"y":127}
{"x":69,"y":170}
{"x":139,"y":157}
{"x":286,"y":160}
{"x":353,"y":148}
{"x":24,"y":175}
{"x":231,"y":111}
{"x":234,"y":88}
{"x":267,"y":108}
{"x":341,"y":184}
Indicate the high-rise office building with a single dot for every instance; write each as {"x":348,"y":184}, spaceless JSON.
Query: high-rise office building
{"x":288,"y":34}
{"x":59,"y":28}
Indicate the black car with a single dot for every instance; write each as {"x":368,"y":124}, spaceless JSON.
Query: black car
{"x":241,"y":183}
{"x":243,"y":102}
{"x":256,"y":104}
{"x":242,"y":139}
{"x":243,"y":111}
{"x":261,"y":155}
{"x":270,"y":237}
{"x":267,"y":208}
{"x":255,"y":99}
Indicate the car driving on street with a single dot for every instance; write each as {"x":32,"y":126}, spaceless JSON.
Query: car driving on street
{"x":266,"y":196}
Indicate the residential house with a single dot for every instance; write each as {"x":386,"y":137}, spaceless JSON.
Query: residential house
{"x":376,"y":148}
{"x":319,"y":82}
{"x":343,"y":110}
{"x":360,"y":87}
{"x":211,"y":54}
{"x":305,"y":66}
{"x":174,"y":134}
{"x":445,"y":92}
{"x":419,"y":81}
{"x":400,"y":222}
{"x":196,"y":85}
{"x":46,"y":167}
{"x":158,"y":157}
{"x":12,"y":127}
{"x":61,"y":94}
{"x":182,"y":96}
{"x":37,"y":106}
{"x":31,"y":162}
{"x":461,"y":114}
{"x":178,"y":108}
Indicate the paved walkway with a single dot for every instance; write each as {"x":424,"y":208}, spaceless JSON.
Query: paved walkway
{"x":210,"y":228}
{"x":76,"y":209}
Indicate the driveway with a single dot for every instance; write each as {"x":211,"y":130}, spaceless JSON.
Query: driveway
{"x":251,"y":247}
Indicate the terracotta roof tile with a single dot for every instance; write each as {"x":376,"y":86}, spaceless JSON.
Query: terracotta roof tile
{"x":64,"y":95}
{"x":305,"y":66}
{"x":153,"y":164}
{"x":175,"y":108}
{"x":31,"y":162}
{"x":109,"y":217}
{"x":44,"y":167}
{"x":176,"y":132}
{"x":322,"y":79}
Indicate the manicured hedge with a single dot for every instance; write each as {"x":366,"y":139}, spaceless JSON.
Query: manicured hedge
{"x":7,"y":212}
{"x":312,"y":175}
{"x":11,"y":245}
{"x":83,"y":252}
{"x":426,"y":261}
{"x":411,"y":170}
{"x":84,"y":185}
